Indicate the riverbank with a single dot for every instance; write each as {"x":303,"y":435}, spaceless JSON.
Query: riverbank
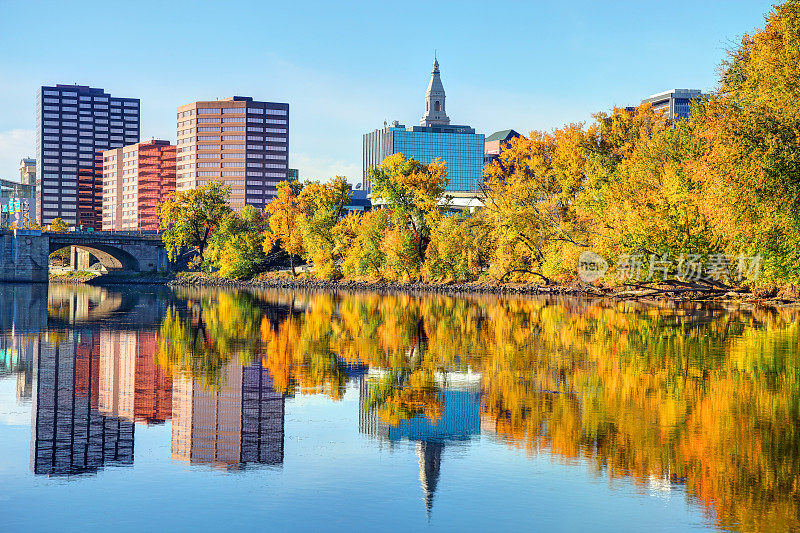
{"x":97,"y":279}
{"x":788,"y":297}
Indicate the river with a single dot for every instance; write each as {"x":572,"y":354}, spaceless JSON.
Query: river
{"x":135,"y":408}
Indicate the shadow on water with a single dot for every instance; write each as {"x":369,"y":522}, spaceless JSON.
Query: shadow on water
{"x":692,"y":396}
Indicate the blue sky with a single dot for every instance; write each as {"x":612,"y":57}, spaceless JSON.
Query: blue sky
{"x":345,"y":67}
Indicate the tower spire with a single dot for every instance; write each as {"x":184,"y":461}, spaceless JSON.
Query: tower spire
{"x":434,"y":99}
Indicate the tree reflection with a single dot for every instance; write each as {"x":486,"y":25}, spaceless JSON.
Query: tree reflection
{"x":678,"y":394}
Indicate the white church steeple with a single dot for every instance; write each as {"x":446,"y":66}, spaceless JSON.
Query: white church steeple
{"x":434,"y":100}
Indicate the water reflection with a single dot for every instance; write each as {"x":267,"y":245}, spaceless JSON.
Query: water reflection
{"x":238,"y":422}
{"x":456,"y":418}
{"x":69,"y":434}
{"x":698,"y":397}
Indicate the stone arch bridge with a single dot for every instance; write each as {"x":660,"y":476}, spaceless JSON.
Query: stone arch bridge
{"x":24,"y":253}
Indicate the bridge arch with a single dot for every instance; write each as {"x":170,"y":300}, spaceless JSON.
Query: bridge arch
{"x":111,"y":257}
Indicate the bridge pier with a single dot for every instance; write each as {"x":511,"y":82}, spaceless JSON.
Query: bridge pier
{"x":79,"y":259}
{"x":23,"y":256}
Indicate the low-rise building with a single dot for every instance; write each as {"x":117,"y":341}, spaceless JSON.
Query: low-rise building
{"x":495,"y":143}
{"x":676,"y":103}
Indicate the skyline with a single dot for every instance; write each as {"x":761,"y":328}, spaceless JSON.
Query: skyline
{"x":341,"y":72}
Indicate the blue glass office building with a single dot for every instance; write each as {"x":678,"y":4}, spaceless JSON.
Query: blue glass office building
{"x":459,"y":146}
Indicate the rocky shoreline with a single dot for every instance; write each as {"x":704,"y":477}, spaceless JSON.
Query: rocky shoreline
{"x":200,"y":280}
{"x":777,"y":299}
{"x":620,"y":293}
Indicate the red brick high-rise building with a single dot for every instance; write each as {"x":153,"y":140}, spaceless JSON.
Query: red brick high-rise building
{"x":136,"y":178}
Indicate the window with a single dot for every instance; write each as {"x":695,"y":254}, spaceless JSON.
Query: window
{"x":237,"y":110}
{"x":255,"y":110}
{"x":208,"y":111}
{"x":283,"y":112}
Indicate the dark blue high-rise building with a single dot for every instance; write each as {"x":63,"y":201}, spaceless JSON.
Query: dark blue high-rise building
{"x":73,"y":124}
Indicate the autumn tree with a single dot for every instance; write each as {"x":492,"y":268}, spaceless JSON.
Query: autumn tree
{"x":413,"y":191}
{"x":748,"y":164}
{"x":530,"y":198}
{"x":322,"y":206}
{"x":282,"y":221}
{"x":189,"y":218}
{"x":358,"y":239}
{"x":59,"y":225}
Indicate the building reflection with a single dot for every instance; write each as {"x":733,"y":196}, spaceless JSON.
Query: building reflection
{"x":132,"y":384}
{"x":239,"y":421}
{"x":69,"y":434}
{"x":459,"y":421}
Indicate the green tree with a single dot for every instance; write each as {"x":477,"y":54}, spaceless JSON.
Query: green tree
{"x":236,"y":248}
{"x":189,"y":218}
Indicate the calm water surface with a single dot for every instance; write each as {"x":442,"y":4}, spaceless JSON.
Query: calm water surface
{"x":153,"y":409}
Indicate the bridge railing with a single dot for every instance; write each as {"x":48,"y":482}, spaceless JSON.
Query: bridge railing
{"x":120,"y":233}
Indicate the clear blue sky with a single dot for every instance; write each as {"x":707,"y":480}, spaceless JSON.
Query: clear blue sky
{"x":345,"y":67}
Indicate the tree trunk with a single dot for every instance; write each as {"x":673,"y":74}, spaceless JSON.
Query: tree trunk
{"x":291,"y":262}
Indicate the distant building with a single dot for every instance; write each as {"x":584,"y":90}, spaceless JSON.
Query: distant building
{"x":136,"y":178}
{"x":238,"y":141}
{"x":27,"y":171}
{"x":74,"y":124}
{"x":495,"y":143}
{"x":459,"y":146}
{"x":293,"y":174}
{"x":17,"y":201}
{"x":359,"y":200}
{"x":675,"y":103}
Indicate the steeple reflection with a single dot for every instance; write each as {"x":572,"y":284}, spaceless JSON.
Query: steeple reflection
{"x":456,"y":418}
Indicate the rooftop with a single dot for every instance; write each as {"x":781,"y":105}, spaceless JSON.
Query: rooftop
{"x":502,"y":135}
